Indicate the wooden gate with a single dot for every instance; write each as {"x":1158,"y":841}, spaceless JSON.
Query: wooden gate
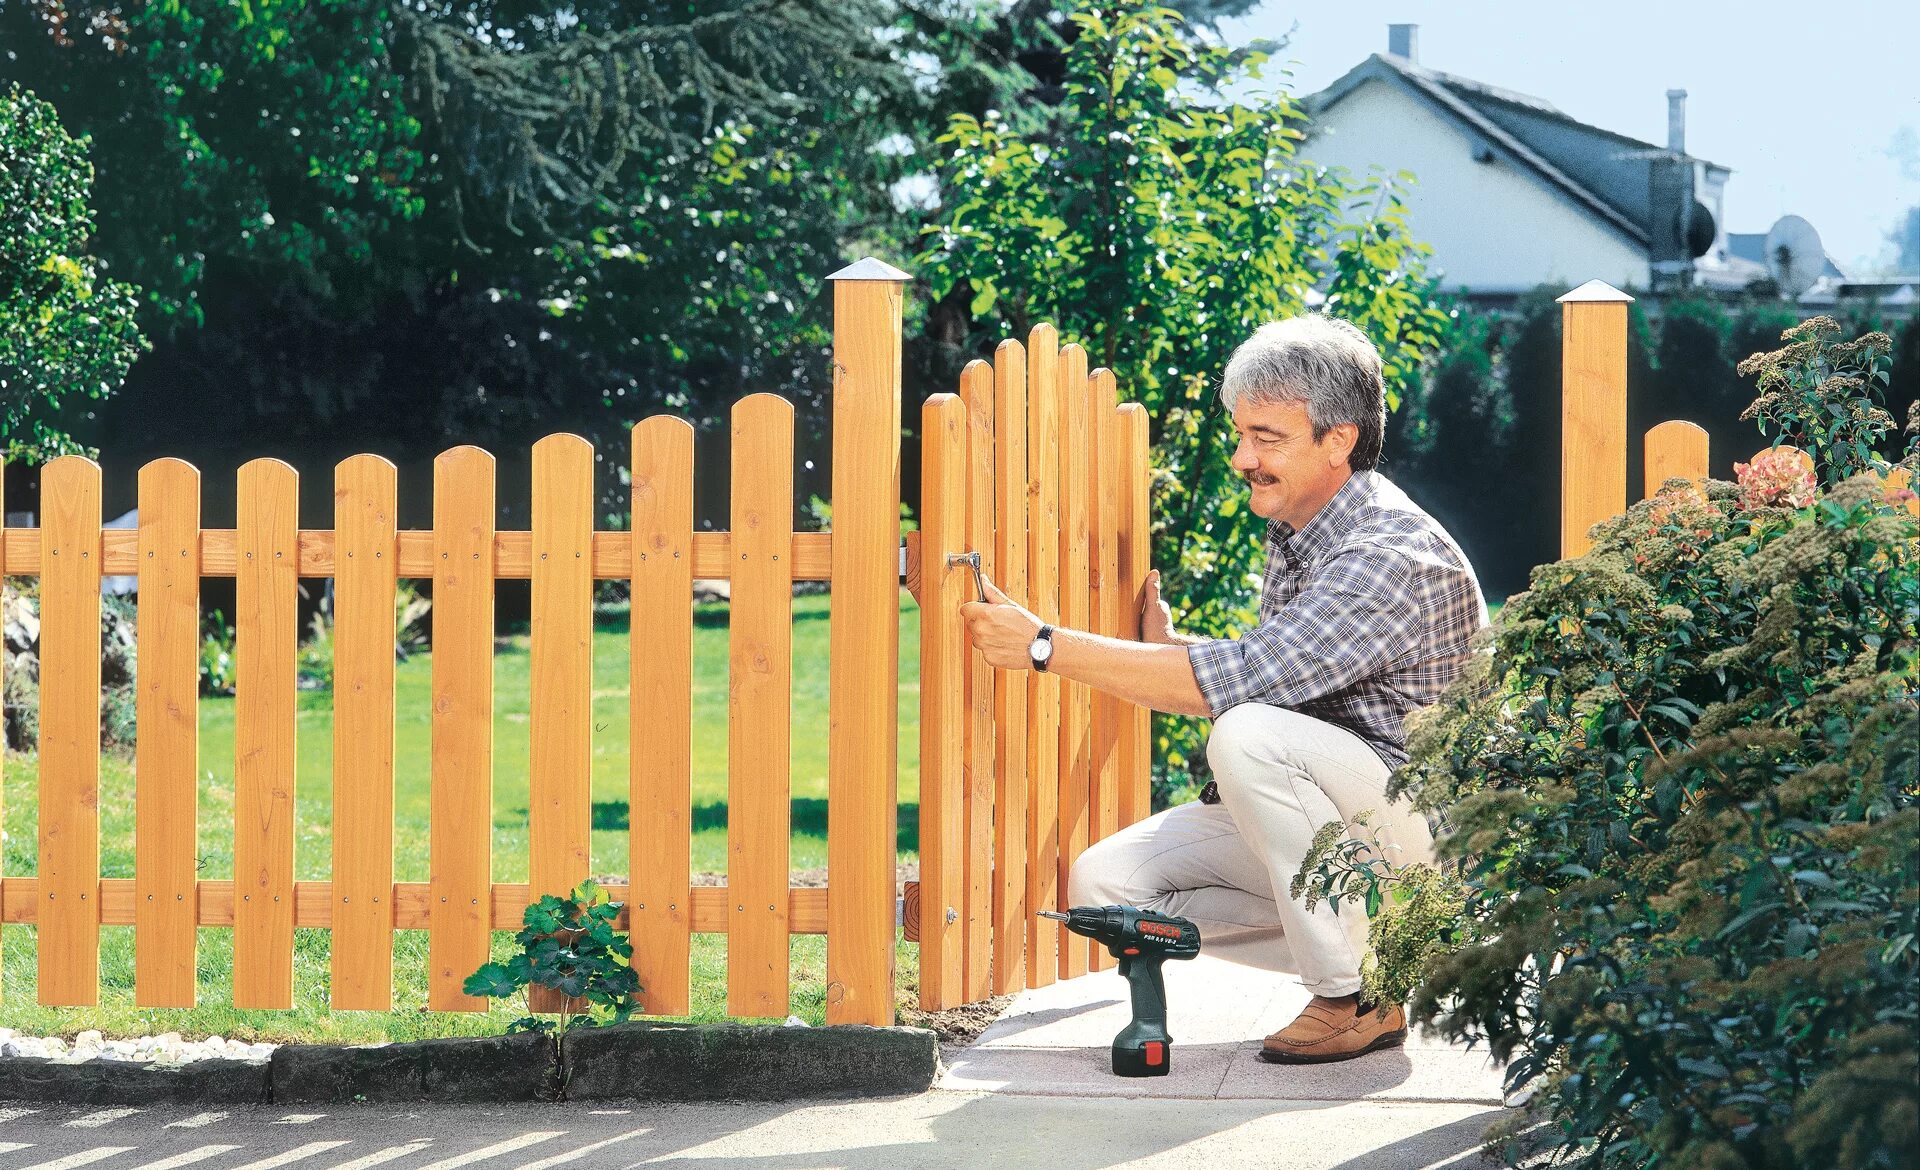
{"x":1036,"y":466}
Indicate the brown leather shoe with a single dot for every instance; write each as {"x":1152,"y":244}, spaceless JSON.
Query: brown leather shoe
{"x":1336,"y":1029}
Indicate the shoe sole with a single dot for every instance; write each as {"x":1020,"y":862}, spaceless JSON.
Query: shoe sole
{"x":1384,"y":1040}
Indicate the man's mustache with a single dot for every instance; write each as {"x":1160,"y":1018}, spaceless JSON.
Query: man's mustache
{"x":1250,"y":477}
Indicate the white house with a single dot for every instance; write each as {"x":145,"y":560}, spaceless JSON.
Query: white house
{"x":1511,"y":193}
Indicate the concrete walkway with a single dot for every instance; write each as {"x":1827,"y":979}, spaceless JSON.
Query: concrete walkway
{"x":1424,"y":1105}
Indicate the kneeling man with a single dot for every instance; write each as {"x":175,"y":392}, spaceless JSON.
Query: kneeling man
{"x":1366,"y":612}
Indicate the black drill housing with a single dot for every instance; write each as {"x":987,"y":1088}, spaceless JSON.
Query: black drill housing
{"x":1141,"y":940}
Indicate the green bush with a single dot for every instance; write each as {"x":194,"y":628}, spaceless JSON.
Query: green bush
{"x":1679,"y":890}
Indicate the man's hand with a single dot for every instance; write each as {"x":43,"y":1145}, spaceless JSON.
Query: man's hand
{"x":1156,"y":618}
{"x":1001,"y":630}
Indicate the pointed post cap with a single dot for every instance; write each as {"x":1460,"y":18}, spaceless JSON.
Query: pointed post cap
{"x":870,"y":269}
{"x":1594,"y":290}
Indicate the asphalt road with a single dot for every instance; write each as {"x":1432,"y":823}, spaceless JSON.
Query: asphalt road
{"x":933,"y":1130}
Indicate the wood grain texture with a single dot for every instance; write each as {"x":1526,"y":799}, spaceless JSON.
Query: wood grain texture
{"x":460,"y":800}
{"x":976,"y":911}
{"x":1044,"y":470}
{"x":1135,"y":551}
{"x":265,"y":640}
{"x":1106,"y":478}
{"x":864,"y":649}
{"x":660,"y":710}
{"x":413,"y":904}
{"x":1079,"y":591}
{"x":69,"y":828}
{"x":1010,"y":687}
{"x":944,"y":654}
{"x":513,"y":554}
{"x":1675,"y":448}
{"x":166,"y":760}
{"x":760,"y":707}
{"x":560,"y":717}
{"x":1593,"y":450}
{"x":365,"y":504}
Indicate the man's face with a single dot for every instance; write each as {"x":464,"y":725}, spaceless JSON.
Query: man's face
{"x":1292,"y":476}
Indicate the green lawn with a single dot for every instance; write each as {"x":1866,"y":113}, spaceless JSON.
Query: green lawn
{"x":310,"y":1017}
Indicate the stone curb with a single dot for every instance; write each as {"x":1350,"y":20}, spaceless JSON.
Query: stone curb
{"x":638,"y":1061}
{"x":738,"y":1062}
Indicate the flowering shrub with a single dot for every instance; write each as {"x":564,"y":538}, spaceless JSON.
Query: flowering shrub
{"x":1779,"y":477}
{"x":1678,"y":890}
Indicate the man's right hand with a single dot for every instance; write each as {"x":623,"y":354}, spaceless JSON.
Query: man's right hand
{"x":1156,"y":618}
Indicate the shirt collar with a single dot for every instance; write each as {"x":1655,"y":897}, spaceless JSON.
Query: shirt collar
{"x":1333,"y":520}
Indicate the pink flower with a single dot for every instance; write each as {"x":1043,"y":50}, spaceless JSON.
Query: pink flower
{"x":1779,"y":477}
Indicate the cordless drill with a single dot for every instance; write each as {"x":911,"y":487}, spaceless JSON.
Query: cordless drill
{"x":1141,"y":940}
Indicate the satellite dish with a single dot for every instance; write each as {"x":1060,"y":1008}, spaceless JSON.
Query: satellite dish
{"x":1794,"y":255}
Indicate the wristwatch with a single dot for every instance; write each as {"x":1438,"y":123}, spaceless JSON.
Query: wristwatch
{"x":1041,"y":648}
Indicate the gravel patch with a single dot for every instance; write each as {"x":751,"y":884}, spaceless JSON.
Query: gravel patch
{"x":169,"y":1048}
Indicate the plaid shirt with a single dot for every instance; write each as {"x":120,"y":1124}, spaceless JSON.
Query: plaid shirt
{"x":1365,"y":615}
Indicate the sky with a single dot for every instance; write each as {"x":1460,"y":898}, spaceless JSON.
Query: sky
{"x":1814,"y":107}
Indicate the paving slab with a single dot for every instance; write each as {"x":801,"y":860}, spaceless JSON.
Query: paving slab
{"x":1054,"y":1041}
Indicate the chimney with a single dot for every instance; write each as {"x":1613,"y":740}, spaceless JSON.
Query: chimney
{"x":1403,"y":40}
{"x":1677,"y":120}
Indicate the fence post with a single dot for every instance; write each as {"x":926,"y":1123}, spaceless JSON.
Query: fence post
{"x":1593,"y":406}
{"x":864,"y":642}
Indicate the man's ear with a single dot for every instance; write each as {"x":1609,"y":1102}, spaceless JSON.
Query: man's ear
{"x":1342,"y":438}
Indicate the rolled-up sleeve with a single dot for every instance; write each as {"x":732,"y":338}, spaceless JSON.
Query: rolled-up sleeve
{"x":1355,"y":617}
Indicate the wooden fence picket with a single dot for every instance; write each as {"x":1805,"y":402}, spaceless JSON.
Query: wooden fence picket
{"x":69,"y":840}
{"x":166,"y":769}
{"x":460,"y":800}
{"x":1011,"y":708}
{"x":660,"y":689}
{"x":365,"y":584}
{"x":760,"y":707}
{"x":1136,"y":536}
{"x":3,"y":707}
{"x":266,"y":640}
{"x":1078,"y":598}
{"x":1043,"y":687}
{"x":1105,"y":475}
{"x":944,"y":655}
{"x":560,"y":717}
{"x":976,"y":913}
{"x":1675,"y":448}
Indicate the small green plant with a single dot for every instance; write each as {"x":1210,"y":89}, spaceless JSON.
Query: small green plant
{"x":570,"y":945}
{"x":1824,"y":396}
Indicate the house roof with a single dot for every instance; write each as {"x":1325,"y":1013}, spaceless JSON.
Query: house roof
{"x":1603,"y":172}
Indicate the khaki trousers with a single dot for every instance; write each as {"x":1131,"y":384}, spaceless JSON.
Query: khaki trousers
{"x":1227,"y":866}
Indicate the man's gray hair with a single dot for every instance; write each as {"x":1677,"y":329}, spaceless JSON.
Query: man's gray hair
{"x":1322,"y":361}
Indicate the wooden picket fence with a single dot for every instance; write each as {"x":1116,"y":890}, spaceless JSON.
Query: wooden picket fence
{"x":1034,"y":464}
{"x":1593,"y":444}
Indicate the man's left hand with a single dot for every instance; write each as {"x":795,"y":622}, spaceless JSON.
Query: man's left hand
{"x":1001,"y":629}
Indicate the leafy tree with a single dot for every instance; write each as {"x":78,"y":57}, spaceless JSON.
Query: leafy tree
{"x":64,"y":327}
{"x":1158,"y":224}
{"x":403,"y":226}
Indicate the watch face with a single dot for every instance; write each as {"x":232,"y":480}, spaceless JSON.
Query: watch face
{"x":1041,"y":649}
